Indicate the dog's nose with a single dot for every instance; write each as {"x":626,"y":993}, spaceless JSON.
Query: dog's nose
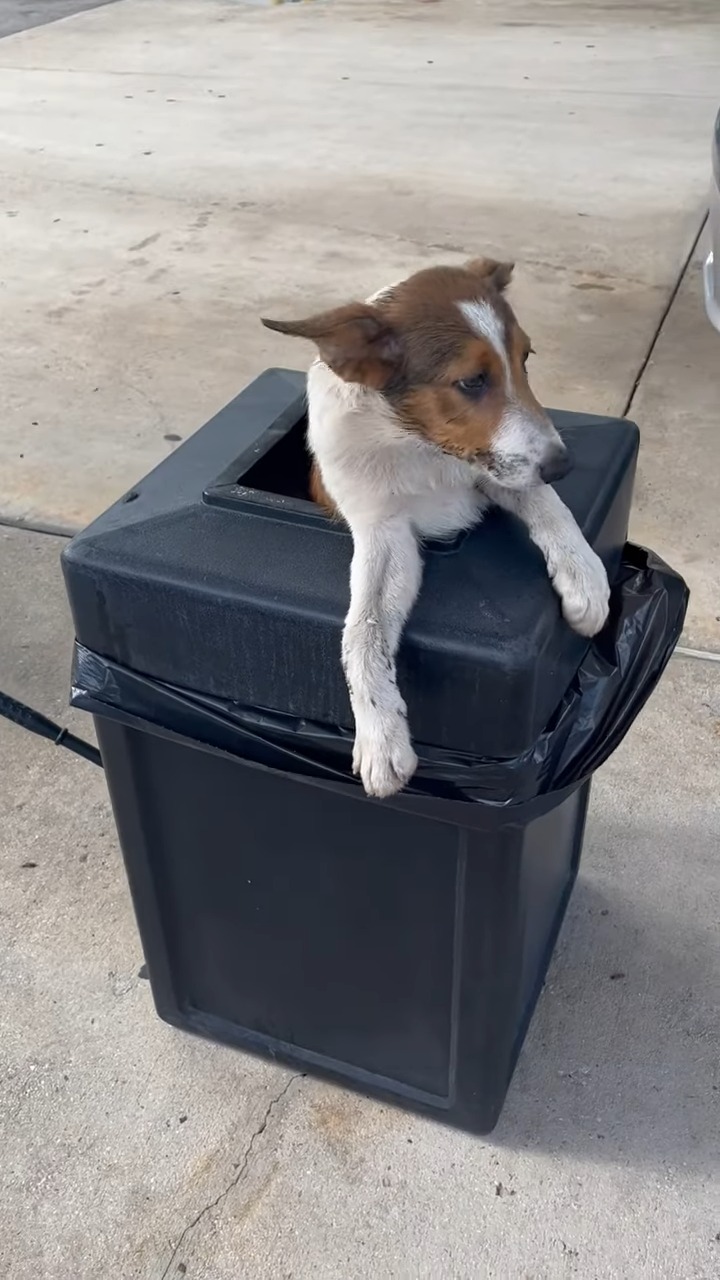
{"x":556,"y":465}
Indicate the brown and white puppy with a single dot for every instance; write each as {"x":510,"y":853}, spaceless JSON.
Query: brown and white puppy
{"x":420,"y":416}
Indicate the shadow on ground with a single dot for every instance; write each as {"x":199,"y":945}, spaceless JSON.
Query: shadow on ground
{"x":621,"y":1063}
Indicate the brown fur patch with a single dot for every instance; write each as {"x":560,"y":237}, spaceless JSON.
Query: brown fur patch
{"x":444,"y":414}
{"x":354,"y":340}
{"x":440,"y":349}
{"x":319,"y":493}
{"x":519,"y":349}
{"x":433,"y":334}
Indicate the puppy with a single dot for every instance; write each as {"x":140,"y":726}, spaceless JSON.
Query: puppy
{"x":420,"y":416}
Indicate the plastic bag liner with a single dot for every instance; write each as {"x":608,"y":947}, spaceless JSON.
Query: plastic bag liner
{"x":616,"y":676}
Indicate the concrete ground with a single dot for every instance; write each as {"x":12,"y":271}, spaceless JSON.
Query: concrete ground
{"x":170,"y":172}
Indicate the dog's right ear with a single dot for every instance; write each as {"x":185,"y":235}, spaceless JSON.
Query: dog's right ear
{"x":495,"y":273}
{"x":356,"y":341}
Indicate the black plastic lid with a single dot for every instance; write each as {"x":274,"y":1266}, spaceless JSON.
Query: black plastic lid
{"x":216,"y":573}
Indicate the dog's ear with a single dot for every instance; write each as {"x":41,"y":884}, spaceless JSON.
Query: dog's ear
{"x":498,"y":274}
{"x":356,"y":341}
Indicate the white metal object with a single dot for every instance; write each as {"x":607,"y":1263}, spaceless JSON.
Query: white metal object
{"x":711,"y":272}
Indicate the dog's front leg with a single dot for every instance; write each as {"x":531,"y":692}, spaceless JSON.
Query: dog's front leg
{"x":384,"y":582}
{"x":576,"y":572}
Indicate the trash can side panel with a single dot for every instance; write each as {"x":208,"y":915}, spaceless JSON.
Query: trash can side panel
{"x":121,"y":763}
{"x":550,"y":857}
{"x":322,"y":925}
{"x":508,"y":938}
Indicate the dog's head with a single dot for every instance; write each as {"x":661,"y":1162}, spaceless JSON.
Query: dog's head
{"x":445,"y":349}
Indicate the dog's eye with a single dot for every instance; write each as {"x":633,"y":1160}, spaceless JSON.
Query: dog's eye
{"x":474,"y":386}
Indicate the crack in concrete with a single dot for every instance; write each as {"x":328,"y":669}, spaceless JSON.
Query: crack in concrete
{"x":663,"y":317}
{"x":237,"y":1177}
{"x":149,"y":1074}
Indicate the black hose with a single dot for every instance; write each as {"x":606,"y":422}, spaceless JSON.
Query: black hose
{"x":34,"y":722}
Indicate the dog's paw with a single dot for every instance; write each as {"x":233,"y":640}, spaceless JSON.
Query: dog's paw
{"x":582,"y":585}
{"x":383,"y":755}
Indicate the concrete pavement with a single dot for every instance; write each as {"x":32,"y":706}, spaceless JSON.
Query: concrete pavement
{"x":677,"y":404}
{"x":165,"y":180}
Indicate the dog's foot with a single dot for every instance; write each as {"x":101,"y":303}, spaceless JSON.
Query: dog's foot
{"x":582,"y":585}
{"x":383,"y":755}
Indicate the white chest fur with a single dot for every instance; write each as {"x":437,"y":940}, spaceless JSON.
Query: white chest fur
{"x":375,"y":469}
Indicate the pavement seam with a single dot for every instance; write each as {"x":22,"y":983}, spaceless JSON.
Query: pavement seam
{"x":701,"y":655}
{"x":52,"y":530}
{"x":237,"y":1177}
{"x":664,"y":315}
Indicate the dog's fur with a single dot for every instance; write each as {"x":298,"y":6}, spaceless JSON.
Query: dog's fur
{"x":420,"y":416}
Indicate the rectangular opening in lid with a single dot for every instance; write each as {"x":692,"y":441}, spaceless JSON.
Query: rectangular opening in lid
{"x":284,"y":468}
{"x":272,"y":477}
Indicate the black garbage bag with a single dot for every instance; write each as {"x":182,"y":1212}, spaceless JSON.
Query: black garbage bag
{"x":619,"y":671}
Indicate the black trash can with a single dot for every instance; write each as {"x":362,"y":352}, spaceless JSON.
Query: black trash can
{"x":397,"y":946}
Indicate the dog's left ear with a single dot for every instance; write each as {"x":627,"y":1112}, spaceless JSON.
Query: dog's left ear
{"x":356,"y":341}
{"x":498,"y":274}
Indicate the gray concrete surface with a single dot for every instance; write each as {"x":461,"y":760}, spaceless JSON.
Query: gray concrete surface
{"x":131,"y":1150}
{"x":676,"y":508}
{"x":165,"y":182}
{"x":165,"y":179}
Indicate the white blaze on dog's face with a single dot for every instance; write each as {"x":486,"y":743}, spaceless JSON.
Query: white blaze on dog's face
{"x":446,"y":351}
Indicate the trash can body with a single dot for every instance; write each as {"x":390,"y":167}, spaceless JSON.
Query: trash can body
{"x":395,"y":953}
{"x":397,"y":946}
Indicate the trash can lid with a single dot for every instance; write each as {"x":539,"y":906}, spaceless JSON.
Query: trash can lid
{"x":216,"y":573}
